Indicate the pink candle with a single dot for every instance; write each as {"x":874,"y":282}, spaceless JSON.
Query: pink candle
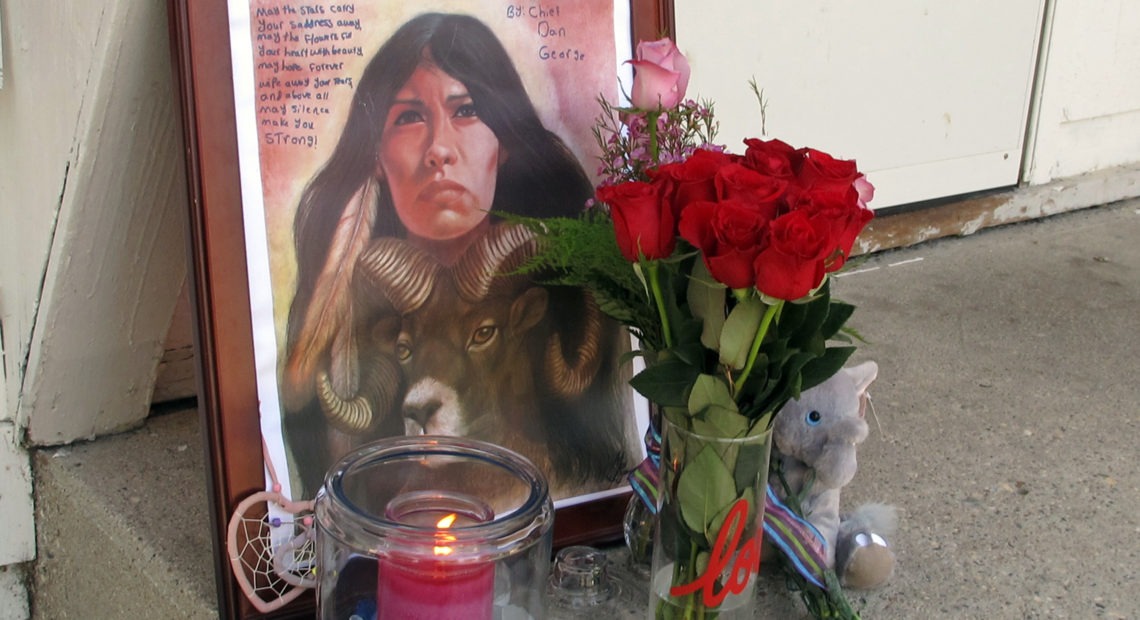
{"x":433,"y":583}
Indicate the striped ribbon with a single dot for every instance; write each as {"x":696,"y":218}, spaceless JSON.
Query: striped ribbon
{"x":643,"y":479}
{"x":797,"y":539}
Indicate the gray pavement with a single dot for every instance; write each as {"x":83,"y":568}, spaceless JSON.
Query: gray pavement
{"x":123,"y":526}
{"x":1007,"y":418}
{"x":1004,"y":429}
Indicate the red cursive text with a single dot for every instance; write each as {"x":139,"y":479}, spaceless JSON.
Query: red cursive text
{"x":746,"y":563}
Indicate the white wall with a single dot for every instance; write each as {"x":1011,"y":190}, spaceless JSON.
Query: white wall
{"x":18,"y":542}
{"x":1089,"y":116}
{"x":930,"y":97}
{"x":94,"y":204}
{"x":92,"y":240}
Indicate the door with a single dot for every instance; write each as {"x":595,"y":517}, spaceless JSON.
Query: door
{"x":931,"y":98}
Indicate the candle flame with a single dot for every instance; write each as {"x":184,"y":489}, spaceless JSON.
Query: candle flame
{"x":446,"y":522}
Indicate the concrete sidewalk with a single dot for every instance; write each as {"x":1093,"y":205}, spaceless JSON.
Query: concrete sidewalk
{"x":1005,"y":430}
{"x":1007,"y":421}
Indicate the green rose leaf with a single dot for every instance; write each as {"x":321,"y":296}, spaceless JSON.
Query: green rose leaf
{"x":678,"y":417}
{"x":705,"y":487}
{"x":666,"y":383}
{"x":706,"y":301}
{"x":739,"y":331}
{"x":809,"y":335}
{"x":751,"y":467}
{"x":718,"y":421}
{"x":823,"y":367}
{"x":762,"y":424}
{"x":837,"y":315}
{"x":718,"y":521}
{"x":714,"y":413}
{"x":689,"y":351}
{"x":709,"y":390}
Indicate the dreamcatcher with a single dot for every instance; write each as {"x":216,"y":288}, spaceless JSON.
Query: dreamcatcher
{"x":271,"y":545}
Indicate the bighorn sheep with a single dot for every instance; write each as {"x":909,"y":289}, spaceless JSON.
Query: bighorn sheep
{"x":479,"y":351}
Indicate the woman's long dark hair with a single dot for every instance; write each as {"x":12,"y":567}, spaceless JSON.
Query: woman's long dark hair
{"x":540,"y":176}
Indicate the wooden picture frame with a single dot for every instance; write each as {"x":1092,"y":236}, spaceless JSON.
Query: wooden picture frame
{"x":228,"y":390}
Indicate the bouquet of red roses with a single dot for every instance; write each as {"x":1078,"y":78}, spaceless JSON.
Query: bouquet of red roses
{"x":721,"y":239}
{"x":718,"y":263}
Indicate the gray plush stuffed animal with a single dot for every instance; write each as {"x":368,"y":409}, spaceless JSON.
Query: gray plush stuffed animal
{"x":816,"y":437}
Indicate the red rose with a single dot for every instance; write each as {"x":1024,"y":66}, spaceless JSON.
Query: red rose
{"x":793,"y":262}
{"x":841,"y":217}
{"x":730,"y":234}
{"x":691,"y":180}
{"x":644,"y":226}
{"x":737,"y":181}
{"x":820,"y":170}
{"x":771,"y":157}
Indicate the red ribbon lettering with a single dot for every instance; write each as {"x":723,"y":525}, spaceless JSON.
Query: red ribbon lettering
{"x":746,"y":563}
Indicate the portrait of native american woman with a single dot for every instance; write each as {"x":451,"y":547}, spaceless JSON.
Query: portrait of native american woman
{"x":395,"y":136}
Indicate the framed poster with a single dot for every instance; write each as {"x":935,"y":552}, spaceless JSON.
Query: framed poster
{"x":347,"y":161}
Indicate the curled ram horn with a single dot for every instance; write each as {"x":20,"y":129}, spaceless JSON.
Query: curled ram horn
{"x":500,"y":252}
{"x":381,"y":387}
{"x":349,"y":415}
{"x":405,"y":274}
{"x":569,"y":380}
{"x":403,"y":277}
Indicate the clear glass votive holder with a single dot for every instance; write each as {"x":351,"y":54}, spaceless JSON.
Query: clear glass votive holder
{"x":433,"y":527}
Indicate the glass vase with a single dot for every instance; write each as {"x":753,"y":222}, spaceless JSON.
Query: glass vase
{"x":638,"y":524}
{"x":433,"y":527}
{"x":706,"y":547}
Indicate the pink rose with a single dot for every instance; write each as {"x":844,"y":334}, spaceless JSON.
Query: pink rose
{"x":661,"y":75}
{"x":865,"y":189}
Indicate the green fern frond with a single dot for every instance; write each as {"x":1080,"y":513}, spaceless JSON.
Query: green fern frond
{"x":583,"y":252}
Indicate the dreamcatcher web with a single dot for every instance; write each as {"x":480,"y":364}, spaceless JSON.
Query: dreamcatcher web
{"x":270,"y":541}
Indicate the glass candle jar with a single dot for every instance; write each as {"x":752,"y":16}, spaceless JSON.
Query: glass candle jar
{"x":433,"y":527}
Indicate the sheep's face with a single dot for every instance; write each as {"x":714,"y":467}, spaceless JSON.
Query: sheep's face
{"x":470,"y":365}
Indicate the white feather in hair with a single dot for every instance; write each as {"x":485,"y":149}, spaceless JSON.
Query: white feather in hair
{"x":327,"y":323}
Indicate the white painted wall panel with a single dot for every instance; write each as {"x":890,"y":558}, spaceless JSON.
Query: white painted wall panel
{"x":18,"y":543}
{"x":118,"y":256}
{"x":93,"y":213}
{"x":16,"y":512}
{"x":930,"y":97}
{"x":13,"y":595}
{"x":40,"y":106}
{"x":1089,"y":115}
